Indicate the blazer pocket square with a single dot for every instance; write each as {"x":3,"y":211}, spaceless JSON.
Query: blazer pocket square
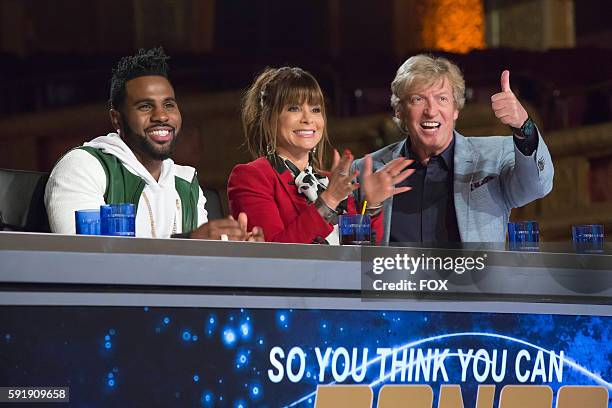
{"x":480,"y":183}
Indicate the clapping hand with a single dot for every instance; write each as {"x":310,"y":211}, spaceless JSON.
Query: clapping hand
{"x":379,"y":186}
{"x":340,"y":180}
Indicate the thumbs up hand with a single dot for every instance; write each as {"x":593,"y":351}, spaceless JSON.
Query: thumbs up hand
{"x":506,"y":106}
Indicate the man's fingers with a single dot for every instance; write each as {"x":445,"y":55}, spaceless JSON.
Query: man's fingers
{"x":218,"y":225}
{"x":243,"y":221}
{"x":256,"y":235}
{"x":233,"y":233}
{"x":202,"y":232}
{"x":223,"y":222}
{"x":228,"y":226}
{"x":503,"y":96}
{"x":501,"y":103}
{"x":505,"y":111}
{"x":216,"y":229}
{"x":505,"y":81}
{"x":502,"y":113}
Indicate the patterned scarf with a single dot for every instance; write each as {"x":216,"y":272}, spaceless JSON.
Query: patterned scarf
{"x":310,"y":184}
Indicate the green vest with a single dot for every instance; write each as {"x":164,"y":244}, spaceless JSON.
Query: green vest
{"x":125,"y":187}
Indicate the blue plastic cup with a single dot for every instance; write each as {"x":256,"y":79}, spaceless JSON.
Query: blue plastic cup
{"x":588,"y":238}
{"x":105,"y":213}
{"x":524,"y":236}
{"x":354,"y":229}
{"x":118,"y":220}
{"x":87,"y":222}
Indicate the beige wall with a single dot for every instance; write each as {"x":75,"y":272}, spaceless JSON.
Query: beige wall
{"x":530,"y":24}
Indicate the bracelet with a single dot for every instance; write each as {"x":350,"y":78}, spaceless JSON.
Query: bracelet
{"x":329,"y":215}
{"x":373,"y":210}
{"x":374,"y":207}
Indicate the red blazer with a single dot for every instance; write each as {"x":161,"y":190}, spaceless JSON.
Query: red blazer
{"x":270,"y":200}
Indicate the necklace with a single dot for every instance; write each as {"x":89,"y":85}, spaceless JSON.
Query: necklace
{"x":152,"y":220}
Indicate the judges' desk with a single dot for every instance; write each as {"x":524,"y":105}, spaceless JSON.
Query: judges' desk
{"x":139,"y":323}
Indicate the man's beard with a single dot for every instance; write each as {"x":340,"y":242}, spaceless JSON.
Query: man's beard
{"x":142,"y":144}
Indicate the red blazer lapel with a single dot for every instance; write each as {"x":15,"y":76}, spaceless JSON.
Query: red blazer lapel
{"x":291,"y":195}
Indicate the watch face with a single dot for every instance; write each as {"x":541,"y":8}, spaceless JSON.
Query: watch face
{"x":528,"y":127}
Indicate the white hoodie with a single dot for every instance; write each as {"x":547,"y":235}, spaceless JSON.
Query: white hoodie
{"x":70,"y":189}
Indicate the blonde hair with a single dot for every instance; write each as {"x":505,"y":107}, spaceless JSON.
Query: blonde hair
{"x":423,"y":71}
{"x":263,"y":102}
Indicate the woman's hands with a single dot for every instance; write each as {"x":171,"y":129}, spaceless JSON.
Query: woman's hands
{"x":340,"y":180}
{"x":376,"y":187}
{"x":379,"y":186}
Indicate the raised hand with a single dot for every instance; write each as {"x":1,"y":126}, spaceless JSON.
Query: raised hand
{"x":506,"y":106}
{"x":379,"y":186}
{"x":340,"y":180}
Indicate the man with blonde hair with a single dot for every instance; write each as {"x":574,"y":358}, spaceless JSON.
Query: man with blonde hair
{"x":464,"y":187}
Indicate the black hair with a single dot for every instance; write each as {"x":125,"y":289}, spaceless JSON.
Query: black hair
{"x":143,"y":63}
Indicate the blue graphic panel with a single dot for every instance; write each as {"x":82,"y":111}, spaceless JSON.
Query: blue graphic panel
{"x":151,"y":356}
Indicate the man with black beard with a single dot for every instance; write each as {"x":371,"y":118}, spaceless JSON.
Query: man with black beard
{"x":133,"y":165}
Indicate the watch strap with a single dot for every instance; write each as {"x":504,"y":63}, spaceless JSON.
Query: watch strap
{"x":528,"y":129}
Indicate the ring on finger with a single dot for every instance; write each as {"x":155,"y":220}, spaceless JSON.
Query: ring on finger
{"x":343,"y":173}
